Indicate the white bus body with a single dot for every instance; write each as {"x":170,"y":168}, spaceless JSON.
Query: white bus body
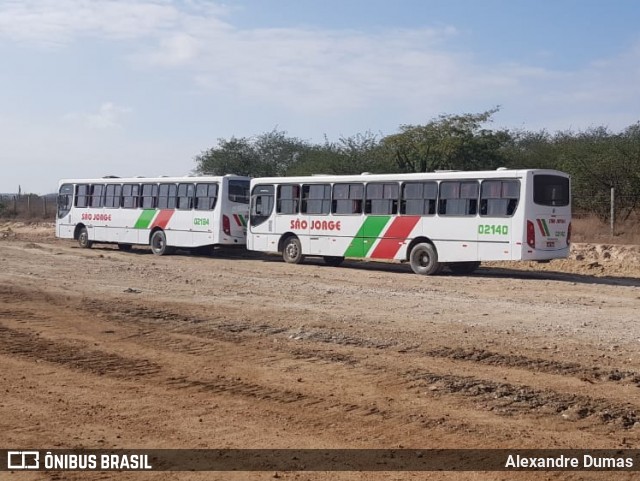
{"x":432,"y":220}
{"x":162,"y":212}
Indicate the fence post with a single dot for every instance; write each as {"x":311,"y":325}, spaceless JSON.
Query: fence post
{"x":44,"y":207}
{"x":612,"y":213}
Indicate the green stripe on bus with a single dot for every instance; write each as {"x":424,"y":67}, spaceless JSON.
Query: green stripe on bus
{"x":242,"y":220}
{"x":145,"y":219}
{"x":366,"y":236}
{"x":546,"y":227}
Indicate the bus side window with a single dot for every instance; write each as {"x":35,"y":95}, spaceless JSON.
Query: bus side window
{"x":112,"y":195}
{"x":261,"y":203}
{"x":458,"y":198}
{"x":382,"y":199}
{"x":206,"y":196}
{"x":419,"y":198}
{"x":288,"y":199}
{"x":316,"y":199}
{"x":347,"y":198}
{"x":185,"y":196}
{"x":95,"y":199}
{"x":167,"y":196}
{"x":82,"y":195}
{"x":149,"y":195}
{"x":130,"y":196}
{"x":499,"y":198}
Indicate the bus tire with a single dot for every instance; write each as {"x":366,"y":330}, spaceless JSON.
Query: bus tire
{"x":83,"y":238}
{"x":158,"y":243}
{"x":463,"y":268}
{"x":124,"y":247}
{"x":292,"y":250}
{"x":424,"y":259}
{"x":333,"y":261}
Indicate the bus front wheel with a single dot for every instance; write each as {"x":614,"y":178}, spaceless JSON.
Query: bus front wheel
{"x":424,"y":259}
{"x":292,"y":251}
{"x":83,"y":238}
{"x":158,"y":243}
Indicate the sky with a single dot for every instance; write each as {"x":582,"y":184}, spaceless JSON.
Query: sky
{"x":141,"y":87}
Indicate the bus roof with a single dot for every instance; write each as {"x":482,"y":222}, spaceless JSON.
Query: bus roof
{"x":144,"y":180}
{"x":442,"y":175}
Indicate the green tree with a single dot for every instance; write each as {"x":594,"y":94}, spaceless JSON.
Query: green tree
{"x":448,"y":142}
{"x":268,"y":154}
{"x":349,"y":155}
{"x":599,"y":160}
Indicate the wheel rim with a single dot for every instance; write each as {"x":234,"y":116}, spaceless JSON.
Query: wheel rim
{"x":424,"y":259}
{"x":83,"y":238}
{"x":158,"y":243}
{"x":292,"y":250}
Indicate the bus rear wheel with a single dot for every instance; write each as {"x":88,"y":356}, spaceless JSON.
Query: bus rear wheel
{"x":292,"y":251}
{"x":158,"y":243}
{"x":333,"y":261}
{"x":424,"y":259}
{"x":83,"y":238}
{"x":462,"y":268}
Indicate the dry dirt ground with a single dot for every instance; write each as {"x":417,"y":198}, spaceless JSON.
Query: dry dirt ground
{"x":107,"y":349}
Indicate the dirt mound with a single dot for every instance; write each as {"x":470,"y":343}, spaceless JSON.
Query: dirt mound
{"x":27,"y":231}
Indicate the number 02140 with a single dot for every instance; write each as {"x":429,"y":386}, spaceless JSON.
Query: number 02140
{"x":492,"y":229}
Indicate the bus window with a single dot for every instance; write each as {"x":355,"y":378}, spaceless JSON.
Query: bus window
{"x":239,"y":191}
{"x":316,"y":199}
{"x":206,"y":196}
{"x":149,"y":194}
{"x":458,"y":198}
{"x":261,"y":204}
{"x":82,"y":195}
{"x":95,"y":199}
{"x":65,"y":196}
{"x":347,"y":198}
{"x":288,"y":199}
{"x":185,"y":196}
{"x":551,"y":190}
{"x":382,"y":199}
{"x":419,"y":198}
{"x":499,"y":198}
{"x":130,"y":196}
{"x":112,"y":195}
{"x":167,"y":196}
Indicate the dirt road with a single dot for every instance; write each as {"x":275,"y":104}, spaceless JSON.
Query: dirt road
{"x":107,"y":349}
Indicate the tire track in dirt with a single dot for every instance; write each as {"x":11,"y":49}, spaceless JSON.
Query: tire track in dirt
{"x":500,"y":398}
{"x":25,"y":344}
{"x":508,"y":399}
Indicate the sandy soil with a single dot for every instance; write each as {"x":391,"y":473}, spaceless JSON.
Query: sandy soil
{"x":107,"y":349}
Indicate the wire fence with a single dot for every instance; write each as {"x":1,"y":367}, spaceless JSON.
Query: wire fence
{"x":29,"y":206}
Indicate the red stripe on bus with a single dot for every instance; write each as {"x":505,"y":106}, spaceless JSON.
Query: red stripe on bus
{"x":544,"y":234}
{"x":394,"y":237}
{"x":162,"y":219}
{"x":238,"y":221}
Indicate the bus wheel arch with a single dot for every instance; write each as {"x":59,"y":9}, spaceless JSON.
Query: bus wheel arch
{"x":81,"y":234}
{"x":423,"y":257}
{"x":291,"y":248}
{"x":158,"y":242}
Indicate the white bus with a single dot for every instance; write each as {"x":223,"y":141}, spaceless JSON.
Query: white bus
{"x":449,"y":219}
{"x":162,"y":212}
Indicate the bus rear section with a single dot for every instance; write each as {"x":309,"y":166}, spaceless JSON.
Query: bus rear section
{"x":547,"y":216}
{"x":234,"y":214}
